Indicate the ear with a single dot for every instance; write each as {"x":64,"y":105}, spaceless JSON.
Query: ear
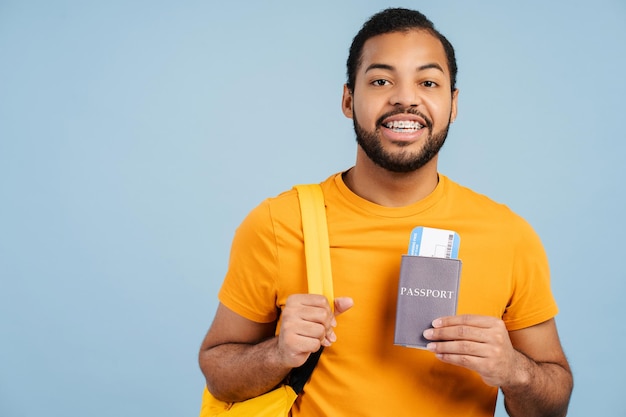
{"x":455,"y":97}
{"x":346,"y":102}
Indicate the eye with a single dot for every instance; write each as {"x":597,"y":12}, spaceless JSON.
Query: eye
{"x":429,"y":84}
{"x":380,"y":83}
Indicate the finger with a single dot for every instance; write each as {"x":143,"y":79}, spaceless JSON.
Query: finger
{"x":309,"y":307}
{"x":297,"y":348}
{"x":299,"y":326}
{"x":465,"y":319}
{"x":464,"y":347}
{"x":473,"y":363}
{"x":484,"y":366}
{"x":465,"y":333}
{"x":309,"y":300}
{"x":303,"y":337}
{"x":343,"y":304}
{"x":330,"y":338}
{"x":317,"y":315}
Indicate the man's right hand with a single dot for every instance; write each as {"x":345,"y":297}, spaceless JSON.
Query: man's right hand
{"x":241,"y":358}
{"x":307,"y":323}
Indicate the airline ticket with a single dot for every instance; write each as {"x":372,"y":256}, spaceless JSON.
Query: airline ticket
{"x":438,"y":243}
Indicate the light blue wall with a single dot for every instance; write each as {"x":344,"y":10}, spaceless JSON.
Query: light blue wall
{"x":134,"y":137}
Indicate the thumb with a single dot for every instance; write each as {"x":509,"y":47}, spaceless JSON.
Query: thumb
{"x":343,"y":304}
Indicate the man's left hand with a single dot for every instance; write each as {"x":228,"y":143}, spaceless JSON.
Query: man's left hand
{"x":479,"y":343}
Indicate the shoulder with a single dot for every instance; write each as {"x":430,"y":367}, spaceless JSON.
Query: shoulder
{"x":481,"y":205}
{"x":280,"y":213}
{"x":473,"y":200}
{"x":480,"y":211}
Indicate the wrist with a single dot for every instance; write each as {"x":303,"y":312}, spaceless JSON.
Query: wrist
{"x":276,"y":357}
{"x":522,"y":373}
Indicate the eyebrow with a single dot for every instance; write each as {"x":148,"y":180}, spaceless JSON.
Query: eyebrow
{"x":388,"y":67}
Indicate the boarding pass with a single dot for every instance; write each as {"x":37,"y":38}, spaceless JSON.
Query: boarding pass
{"x":437,"y":243}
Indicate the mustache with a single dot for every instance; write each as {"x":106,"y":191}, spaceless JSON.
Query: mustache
{"x":409,"y":110}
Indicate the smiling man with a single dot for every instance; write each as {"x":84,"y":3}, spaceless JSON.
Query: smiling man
{"x":401,"y":95}
{"x":402,"y":102}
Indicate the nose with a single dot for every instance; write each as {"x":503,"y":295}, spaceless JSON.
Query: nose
{"x":404,"y":95}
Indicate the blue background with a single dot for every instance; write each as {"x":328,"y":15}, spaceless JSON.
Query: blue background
{"x":135,"y":136}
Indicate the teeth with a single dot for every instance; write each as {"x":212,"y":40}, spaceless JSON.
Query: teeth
{"x":402,"y":125}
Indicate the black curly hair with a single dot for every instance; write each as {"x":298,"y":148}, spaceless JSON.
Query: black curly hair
{"x":395,"y":20}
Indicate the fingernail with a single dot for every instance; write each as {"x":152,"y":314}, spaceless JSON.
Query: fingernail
{"x":437,"y":323}
{"x":428,"y":333}
{"x":431,"y":346}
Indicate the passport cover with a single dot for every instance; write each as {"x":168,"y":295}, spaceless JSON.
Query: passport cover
{"x":428,"y":288}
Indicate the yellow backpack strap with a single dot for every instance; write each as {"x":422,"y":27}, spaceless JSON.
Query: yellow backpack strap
{"x":316,"y":244}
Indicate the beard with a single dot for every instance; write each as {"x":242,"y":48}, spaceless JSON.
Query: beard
{"x":404,"y":161}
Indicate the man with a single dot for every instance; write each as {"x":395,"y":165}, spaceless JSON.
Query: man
{"x":401,"y":96}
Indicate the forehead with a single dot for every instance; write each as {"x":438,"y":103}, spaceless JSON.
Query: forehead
{"x":409,"y":48}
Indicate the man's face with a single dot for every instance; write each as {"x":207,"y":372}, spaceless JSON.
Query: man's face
{"x":402,"y":102}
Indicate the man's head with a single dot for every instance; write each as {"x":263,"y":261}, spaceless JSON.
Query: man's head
{"x":395,"y":20}
{"x":400,"y":94}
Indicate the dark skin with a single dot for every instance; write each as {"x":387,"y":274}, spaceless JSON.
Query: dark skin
{"x":528,"y":365}
{"x":250,"y":360}
{"x":242,"y":359}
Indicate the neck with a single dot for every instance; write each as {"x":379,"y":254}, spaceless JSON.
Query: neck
{"x":390,"y":189}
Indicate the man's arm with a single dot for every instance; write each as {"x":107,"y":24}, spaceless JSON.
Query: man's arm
{"x":547,"y":373}
{"x":528,"y":365}
{"x":241,"y":359}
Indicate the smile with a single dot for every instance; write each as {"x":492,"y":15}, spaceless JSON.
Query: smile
{"x":403,"y":126}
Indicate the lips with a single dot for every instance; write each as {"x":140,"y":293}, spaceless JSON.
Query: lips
{"x":404,"y":122}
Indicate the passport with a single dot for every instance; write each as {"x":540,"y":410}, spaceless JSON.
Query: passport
{"x":428,"y":288}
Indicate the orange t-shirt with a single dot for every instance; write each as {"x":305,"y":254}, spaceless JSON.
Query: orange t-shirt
{"x":505,"y":274}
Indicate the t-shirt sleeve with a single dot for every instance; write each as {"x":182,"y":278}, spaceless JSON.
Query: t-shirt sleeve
{"x":532,"y":301}
{"x":249,"y":288}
